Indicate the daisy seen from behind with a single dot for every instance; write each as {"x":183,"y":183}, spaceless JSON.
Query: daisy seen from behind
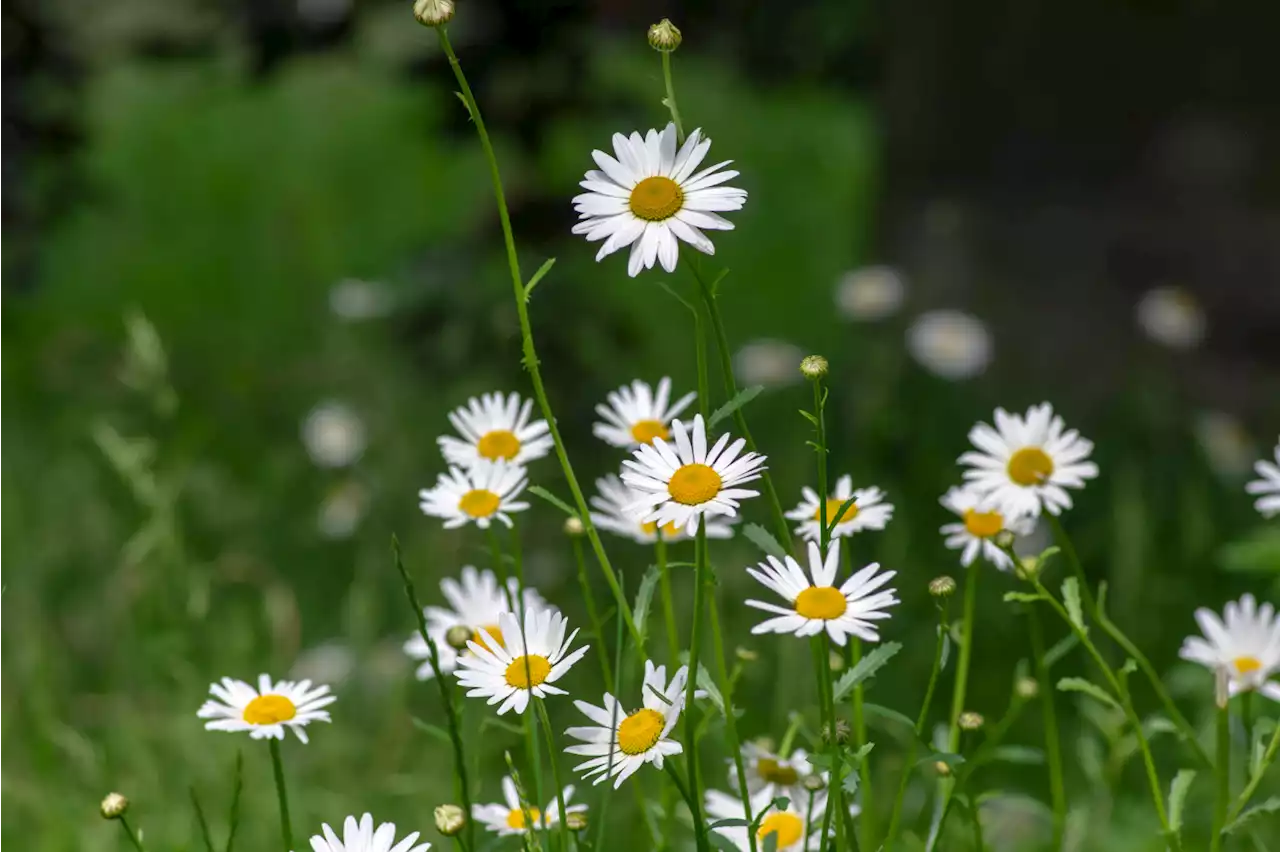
{"x":770,"y":775}
{"x":868,"y":512}
{"x":531,"y":658}
{"x":648,"y":196}
{"x":681,"y":481}
{"x":478,"y":495}
{"x":1245,"y":643}
{"x":980,"y":522}
{"x":619,"y":743}
{"x":816,"y":605}
{"x":514,"y":817}
{"x":1268,"y":487}
{"x":612,"y":500}
{"x":494,"y":428}
{"x":265,"y":712}
{"x":1026,"y":463}
{"x":361,"y":836}
{"x":636,"y":414}
{"x":788,"y":826}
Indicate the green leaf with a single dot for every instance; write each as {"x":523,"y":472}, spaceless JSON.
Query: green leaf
{"x":1071,"y":600}
{"x":807,"y":415}
{"x":539,"y":491}
{"x":860,"y":755}
{"x":1022,"y":597}
{"x":844,"y":507}
{"x":946,"y":649}
{"x":866,"y":667}
{"x":1023,"y":755}
{"x":721,"y":842}
{"x":1178,"y":797}
{"x":1079,"y":684}
{"x":740,"y":399}
{"x":537,"y":276}
{"x":727,"y":823}
{"x":435,"y":731}
{"x":495,"y":722}
{"x":466,"y":104}
{"x":644,"y":597}
{"x":761,"y":538}
{"x":891,"y":720}
{"x":850,"y":784}
{"x":665,"y":286}
{"x":1060,"y":649}
{"x":1154,"y":725}
{"x":1257,"y":553}
{"x":713,"y":692}
{"x":951,"y":760}
{"x":770,"y":842}
{"x":1270,"y":806}
{"x":1130,"y":666}
{"x":781,"y":803}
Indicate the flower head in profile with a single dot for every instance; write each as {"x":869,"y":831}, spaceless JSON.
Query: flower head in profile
{"x":1268,"y":487}
{"x":868,"y":511}
{"x":1245,"y":643}
{"x":478,"y":495}
{"x":475,"y":603}
{"x":532,"y":657}
{"x":619,"y":743}
{"x":980,"y":522}
{"x":791,"y":827}
{"x":612,"y":502}
{"x":637,"y":414}
{"x":682,"y":481}
{"x":1027,"y":463}
{"x":266,"y":711}
{"x":514,"y":817}
{"x":770,"y":775}
{"x":816,"y":604}
{"x":361,"y":836}
{"x":648,"y":196}
{"x":494,"y":428}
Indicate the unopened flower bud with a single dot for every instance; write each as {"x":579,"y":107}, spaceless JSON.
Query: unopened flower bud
{"x":836,"y":661}
{"x":663,"y":36}
{"x":1028,"y":568}
{"x":813,"y":367}
{"x":841,"y":732}
{"x":765,"y":744}
{"x":814,"y":783}
{"x":450,"y":820}
{"x":970,"y":721}
{"x":746,"y":655}
{"x":458,"y":636}
{"x":941,"y":587}
{"x":573,"y":526}
{"x":1027,"y":688}
{"x":433,"y":13}
{"x":114,"y":806}
{"x":576,"y":821}
{"x":1004,"y":539}
{"x":942,"y":768}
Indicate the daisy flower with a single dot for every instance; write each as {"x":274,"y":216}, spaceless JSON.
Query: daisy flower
{"x":362,"y":837}
{"x":868,"y":512}
{"x":266,"y":711}
{"x":527,"y":663}
{"x":619,"y":743}
{"x":648,"y":197}
{"x":1245,"y":643}
{"x":476,"y":603}
{"x":636,"y":415}
{"x":681,"y":483}
{"x":770,"y":775}
{"x":612,"y":501}
{"x":980,"y":522}
{"x":788,"y":826}
{"x":1268,"y":486}
{"x":1026,"y":464}
{"x":514,"y":818}
{"x":493,"y":428}
{"x":817,"y":605}
{"x":475,"y":495}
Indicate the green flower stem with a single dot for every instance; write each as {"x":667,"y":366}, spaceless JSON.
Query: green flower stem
{"x":691,"y":728}
{"x":555,"y":773}
{"x":593,"y":615}
{"x":808,"y":819}
{"x":966,"y":654}
{"x":1052,"y":745}
{"x":731,"y":721}
{"x":826,"y":727}
{"x":1267,"y":757}
{"x":133,"y":838}
{"x":868,"y":821}
{"x":668,"y":602}
{"x":286,"y":830}
{"x":974,"y":818}
{"x":671,"y":94}
{"x":1222,"y":771}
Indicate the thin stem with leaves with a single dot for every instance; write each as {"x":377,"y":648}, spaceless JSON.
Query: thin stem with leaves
{"x":277,"y":767}
{"x":1052,"y":743}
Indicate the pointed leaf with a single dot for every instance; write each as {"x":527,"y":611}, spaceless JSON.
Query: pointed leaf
{"x":709,"y":686}
{"x":738,"y":822}
{"x":740,"y":399}
{"x":890,"y":720}
{"x":1071,"y":600}
{"x":1019,"y":754}
{"x":1022,"y":597}
{"x":1178,"y":797}
{"x":539,"y":491}
{"x":844,"y":507}
{"x":1060,"y":649}
{"x":721,"y":842}
{"x":434,"y":730}
{"x":1270,"y":806}
{"x":865,"y":668}
{"x":537,"y":276}
{"x":761,"y":538}
{"x":644,"y":597}
{"x":1079,"y":684}
{"x":951,"y":760}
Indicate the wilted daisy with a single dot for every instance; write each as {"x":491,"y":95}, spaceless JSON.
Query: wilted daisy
{"x":495,"y":429}
{"x":816,"y":604}
{"x":649,"y":197}
{"x":266,"y":711}
{"x":527,"y":663}
{"x":1026,"y":464}
{"x":1268,"y":486}
{"x":770,"y":775}
{"x":868,"y":511}
{"x":476,"y":603}
{"x":363,"y":837}
{"x":1245,"y":643}
{"x":788,"y":826}
{"x":619,"y":742}
{"x":636,"y":414}
{"x":950,"y":344}
{"x":513,"y":818}
{"x":475,"y":495}
{"x":614,"y":497}
{"x":980,"y":522}
{"x":681,"y":483}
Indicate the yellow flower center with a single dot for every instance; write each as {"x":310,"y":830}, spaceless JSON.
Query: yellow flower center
{"x":669,"y":529}
{"x":644,"y":431}
{"x":787,"y":829}
{"x":983,"y":524}
{"x":833,"y":507}
{"x":1247,"y":665}
{"x":483,"y":635}
{"x":640,"y":731}
{"x":498,"y":444}
{"x":656,"y":198}
{"x":269,"y":710}
{"x":1030,"y":466}
{"x":528,"y":672}
{"x":774,"y":772}
{"x":692,"y":484}
{"x":516,"y":819}
{"x":822,"y":602}
{"x":479,"y":503}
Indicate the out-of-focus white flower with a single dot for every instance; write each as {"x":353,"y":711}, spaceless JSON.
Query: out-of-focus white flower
{"x":333,"y":434}
{"x":1171,"y":316}
{"x":1267,"y":487}
{"x":767,"y":362}
{"x":354,"y":299}
{"x":950,"y":344}
{"x":870,"y":293}
{"x":342,"y":510}
{"x":328,"y":662}
{"x":1225,"y":443}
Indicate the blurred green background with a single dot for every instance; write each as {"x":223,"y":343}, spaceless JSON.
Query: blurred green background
{"x":252,"y":261}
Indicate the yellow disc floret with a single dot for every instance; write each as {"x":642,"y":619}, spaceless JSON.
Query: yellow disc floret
{"x":821,"y":602}
{"x":693,"y":484}
{"x":656,"y":198}
{"x":269,"y":710}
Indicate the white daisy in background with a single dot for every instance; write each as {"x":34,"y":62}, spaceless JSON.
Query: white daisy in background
{"x":636,"y":415}
{"x":333,"y":434}
{"x":612,"y":501}
{"x":363,"y":837}
{"x":527,"y":662}
{"x":787,"y":826}
{"x":266,"y":711}
{"x":1268,"y":486}
{"x":1026,"y":464}
{"x":650,"y":199}
{"x":619,"y":743}
{"x":768,"y":362}
{"x":495,"y":429}
{"x":1171,"y":316}
{"x":514,"y":818}
{"x":817,"y":605}
{"x":870,"y":293}
{"x":475,"y":495}
{"x":770,"y":775}
{"x":1245,"y":643}
{"x":869,"y":512}
{"x":950,"y":344}
{"x":476,"y":603}
{"x":681,"y":483}
{"x":980,"y":522}
{"x":354,"y":299}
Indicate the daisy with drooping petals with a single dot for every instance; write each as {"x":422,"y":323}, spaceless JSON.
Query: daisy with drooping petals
{"x":817,"y":605}
{"x":681,"y":483}
{"x":495,"y":429}
{"x":770,"y":775}
{"x":615,"y":497}
{"x":980,"y":522}
{"x":788,"y":826}
{"x":636,"y":415}
{"x":1245,"y":643}
{"x":868,"y":511}
{"x":476,"y":604}
{"x":526,"y":664}
{"x":514,"y":818}
{"x":362,"y":837}
{"x":475,"y":495}
{"x":266,"y":711}
{"x":1026,"y":464}
{"x":1268,"y":486}
{"x":619,"y":743}
{"x":650,"y":199}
